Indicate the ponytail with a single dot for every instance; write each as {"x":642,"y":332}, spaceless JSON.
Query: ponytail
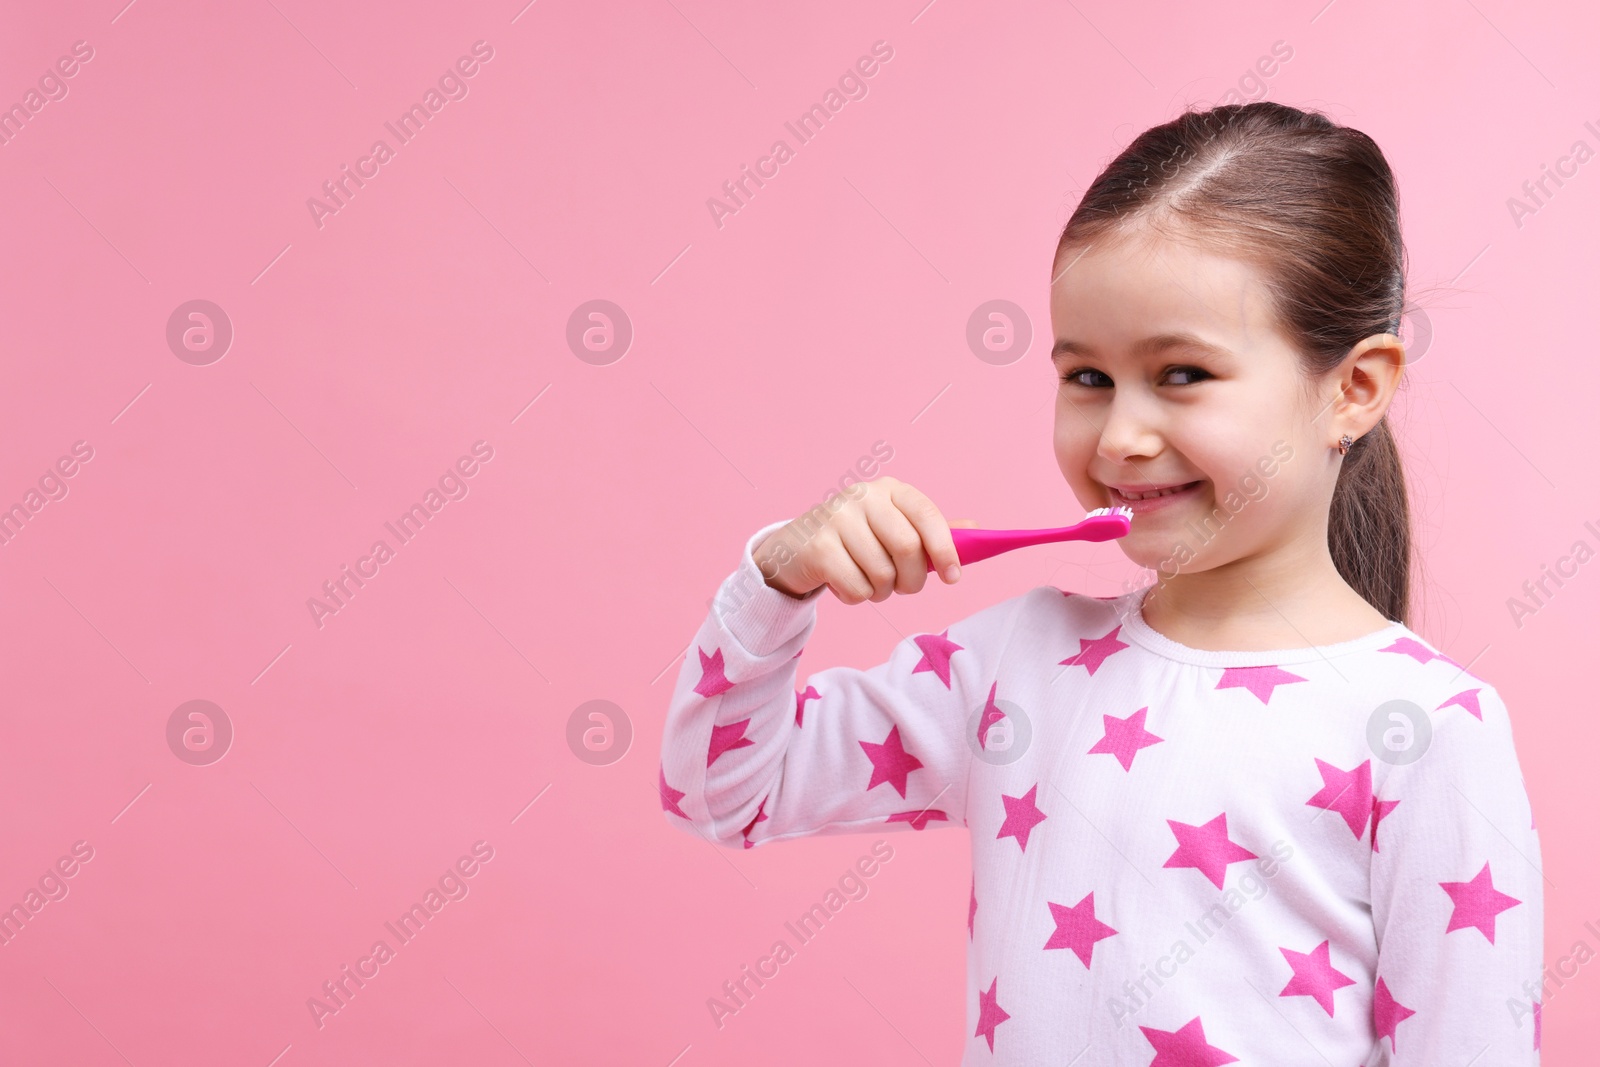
{"x":1369,"y":524}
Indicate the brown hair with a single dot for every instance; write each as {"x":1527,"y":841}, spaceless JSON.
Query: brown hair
{"x":1313,"y":206}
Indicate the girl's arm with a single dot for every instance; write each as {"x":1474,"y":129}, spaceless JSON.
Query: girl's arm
{"x":749,"y":755}
{"x":1458,"y":895}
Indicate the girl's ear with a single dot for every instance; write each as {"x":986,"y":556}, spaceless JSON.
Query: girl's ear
{"x":1367,"y":380}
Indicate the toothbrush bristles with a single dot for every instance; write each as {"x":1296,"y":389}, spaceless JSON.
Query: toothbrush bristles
{"x":1125,"y":512}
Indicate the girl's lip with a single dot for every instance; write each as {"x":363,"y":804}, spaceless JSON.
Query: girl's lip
{"x":1148,"y":504}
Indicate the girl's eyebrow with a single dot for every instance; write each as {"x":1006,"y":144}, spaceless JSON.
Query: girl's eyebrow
{"x":1149,"y":346}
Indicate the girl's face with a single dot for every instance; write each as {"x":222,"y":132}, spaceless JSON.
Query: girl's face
{"x":1178,"y":397}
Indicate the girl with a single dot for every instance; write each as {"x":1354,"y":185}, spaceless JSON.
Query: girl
{"x":1243,"y":814}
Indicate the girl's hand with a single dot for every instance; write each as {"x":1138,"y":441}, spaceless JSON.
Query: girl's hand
{"x":877,"y":543}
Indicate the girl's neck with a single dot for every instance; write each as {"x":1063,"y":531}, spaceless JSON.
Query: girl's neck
{"x":1291,"y":596}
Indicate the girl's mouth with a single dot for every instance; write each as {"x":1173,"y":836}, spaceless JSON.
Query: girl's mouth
{"x":1147,"y":498}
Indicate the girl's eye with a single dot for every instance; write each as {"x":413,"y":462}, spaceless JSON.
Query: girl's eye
{"x":1189,"y":375}
{"x":1087,"y":377}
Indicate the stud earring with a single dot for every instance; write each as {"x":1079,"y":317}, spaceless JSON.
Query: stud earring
{"x":1345,"y":441}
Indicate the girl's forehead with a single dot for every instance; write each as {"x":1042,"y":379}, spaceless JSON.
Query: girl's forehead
{"x":1175,"y":288}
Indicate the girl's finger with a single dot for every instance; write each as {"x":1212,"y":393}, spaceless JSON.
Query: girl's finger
{"x":930,"y":524}
{"x":874,"y":564}
{"x":901,"y":540}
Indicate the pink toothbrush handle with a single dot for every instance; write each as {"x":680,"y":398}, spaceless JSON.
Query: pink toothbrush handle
{"x":974,"y":545}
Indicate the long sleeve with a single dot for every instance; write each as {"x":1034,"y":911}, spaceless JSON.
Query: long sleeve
{"x":1458,"y":896}
{"x":749,"y":756}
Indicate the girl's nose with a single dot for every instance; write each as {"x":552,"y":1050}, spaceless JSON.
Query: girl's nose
{"x":1129,"y":432}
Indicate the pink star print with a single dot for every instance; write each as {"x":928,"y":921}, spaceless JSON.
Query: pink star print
{"x":1537,"y":1011}
{"x":918,"y":819}
{"x":990,"y":1013}
{"x":1314,"y":976}
{"x":1387,"y":1013}
{"x":1125,"y":737}
{"x":1380,"y":808}
{"x":1259,"y":680}
{"x":759,"y":818}
{"x":1077,"y":928}
{"x":1022,"y":815}
{"x":712,"y":680}
{"x":1185,"y":1047}
{"x":726,"y":738}
{"x":1466,"y":699}
{"x":1347,"y":792}
{"x":936,"y":652}
{"x":890,"y":761}
{"x":1206,"y":848}
{"x":670,"y":797}
{"x":972,"y":909}
{"x":991,"y":715}
{"x":1477,"y":903}
{"x":1418,"y":651}
{"x":1092,"y":652}
{"x":800,"y":702}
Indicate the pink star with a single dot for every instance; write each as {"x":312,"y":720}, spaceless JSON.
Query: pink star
{"x":991,"y":715}
{"x":1387,"y":1013}
{"x":1185,"y":1047}
{"x":1259,"y":680}
{"x":759,"y":818}
{"x":990,"y":1013}
{"x":1468,"y":699}
{"x":1125,"y":737}
{"x":1077,"y":928}
{"x":936,"y":652}
{"x":972,"y":909}
{"x":1380,"y":808}
{"x":1477,"y":903}
{"x":1206,"y":848}
{"x":712,"y":680}
{"x":1022,"y":815}
{"x":800,"y":702}
{"x":670,"y":797}
{"x":1418,"y":651}
{"x":1092,"y":652}
{"x":1347,"y":792}
{"x":890,"y":761}
{"x":1314,"y":976}
{"x":918,"y":819}
{"x":1537,"y":1011}
{"x":726,"y":738}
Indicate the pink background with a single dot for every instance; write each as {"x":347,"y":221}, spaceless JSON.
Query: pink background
{"x":768,"y":355}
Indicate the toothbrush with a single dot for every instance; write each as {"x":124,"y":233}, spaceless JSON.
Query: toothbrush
{"x":1101,"y":524}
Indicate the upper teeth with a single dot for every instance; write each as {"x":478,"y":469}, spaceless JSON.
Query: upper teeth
{"x":1152,"y":493}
